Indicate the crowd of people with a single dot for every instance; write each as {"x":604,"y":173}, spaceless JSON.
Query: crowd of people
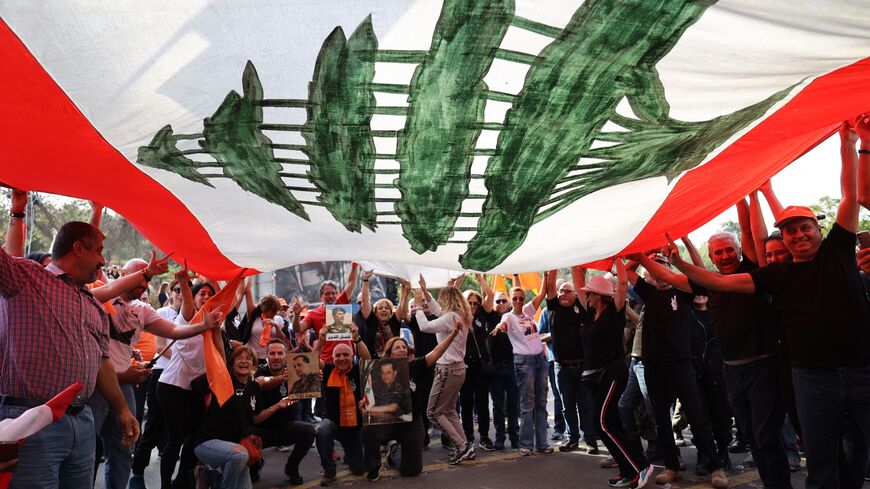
{"x":774,"y":342}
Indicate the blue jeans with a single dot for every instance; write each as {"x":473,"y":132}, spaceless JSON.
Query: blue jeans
{"x":119,"y":458}
{"x":823,"y":397}
{"x":635,"y":392}
{"x":61,"y":455}
{"x":558,"y":416}
{"x":327,"y":433}
{"x":532,"y":379}
{"x":505,"y":403}
{"x":577,"y":403}
{"x":232,"y":458}
{"x":754,"y":395}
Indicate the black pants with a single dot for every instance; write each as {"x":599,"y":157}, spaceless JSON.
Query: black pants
{"x":410,"y":438}
{"x":153,"y":433}
{"x":505,"y":403}
{"x":475,"y":394}
{"x":179,"y":405}
{"x":714,"y":395}
{"x":296,"y":433}
{"x":753,"y":390}
{"x":665,"y":381}
{"x":608,"y":423}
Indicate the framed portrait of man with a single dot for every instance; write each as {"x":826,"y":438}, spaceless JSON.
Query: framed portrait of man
{"x":303,"y":375}
{"x":338,"y":320}
{"x":386,"y":392}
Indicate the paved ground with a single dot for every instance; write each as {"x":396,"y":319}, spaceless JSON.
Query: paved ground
{"x":489,"y":470}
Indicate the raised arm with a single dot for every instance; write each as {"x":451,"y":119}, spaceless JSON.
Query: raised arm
{"x":542,"y":293}
{"x":621,"y":285}
{"x":863,"y":129}
{"x":361,"y":348}
{"x":249,"y":295}
{"x":550,"y":283}
{"x":771,"y":198}
{"x":747,"y":241}
{"x":759,"y":229}
{"x":441,"y":347}
{"x":163,"y":328}
{"x":578,"y":276}
{"x":156,"y":266}
{"x":183,"y":277}
{"x":404,"y":301}
{"x":661,"y":272}
{"x":365,"y":306}
{"x":488,"y":295}
{"x":847,"y":211}
{"x":735,"y":282}
{"x":14,"y":244}
{"x":96,"y":214}
{"x":693,"y":251}
{"x":351,"y":280}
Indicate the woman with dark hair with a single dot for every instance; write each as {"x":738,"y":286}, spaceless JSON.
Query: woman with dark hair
{"x":607,"y":373}
{"x":262,"y":324}
{"x":408,"y":434}
{"x":174,"y":392}
{"x":40,"y":257}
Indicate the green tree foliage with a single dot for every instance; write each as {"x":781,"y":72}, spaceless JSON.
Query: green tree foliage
{"x":828,"y":206}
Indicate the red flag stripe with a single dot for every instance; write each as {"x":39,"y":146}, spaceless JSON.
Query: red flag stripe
{"x":40,"y":123}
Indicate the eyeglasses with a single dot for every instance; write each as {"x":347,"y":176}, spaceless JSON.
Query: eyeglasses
{"x":177,"y":290}
{"x":501,"y":301}
{"x":518,"y":299}
{"x":473,"y":303}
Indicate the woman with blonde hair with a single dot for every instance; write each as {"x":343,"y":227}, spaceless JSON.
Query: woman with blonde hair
{"x":451,"y":309}
{"x":382,"y":318}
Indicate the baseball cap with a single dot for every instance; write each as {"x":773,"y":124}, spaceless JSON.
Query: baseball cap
{"x":795,"y":212}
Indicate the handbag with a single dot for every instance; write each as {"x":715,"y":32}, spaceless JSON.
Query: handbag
{"x":254,"y":445}
{"x":486,"y":366}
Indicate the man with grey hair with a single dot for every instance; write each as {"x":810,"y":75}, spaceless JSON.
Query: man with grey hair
{"x":748,"y":346}
{"x":129,"y":318}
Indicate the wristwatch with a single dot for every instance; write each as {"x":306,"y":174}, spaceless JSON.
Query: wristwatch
{"x":145,"y":275}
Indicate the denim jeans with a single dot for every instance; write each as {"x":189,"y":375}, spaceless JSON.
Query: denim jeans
{"x":635,"y":392}
{"x":754,"y":394}
{"x":823,"y":397}
{"x":577,"y":402}
{"x":119,"y":458}
{"x":558,"y":415}
{"x":327,"y":433}
{"x":532,"y":379}
{"x":232,"y":458}
{"x":505,"y":403}
{"x":61,"y":455}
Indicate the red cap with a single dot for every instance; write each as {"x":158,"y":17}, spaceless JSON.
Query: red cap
{"x":282,"y":302}
{"x":793,"y":212}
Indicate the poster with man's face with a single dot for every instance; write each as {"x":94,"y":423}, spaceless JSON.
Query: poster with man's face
{"x":338,"y":320}
{"x":303,"y":375}
{"x":386,"y":391}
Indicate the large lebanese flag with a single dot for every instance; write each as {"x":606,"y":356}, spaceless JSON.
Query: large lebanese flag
{"x":462,"y":134}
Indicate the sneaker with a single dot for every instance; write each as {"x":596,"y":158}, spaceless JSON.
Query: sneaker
{"x":137,"y":482}
{"x":719,"y":480}
{"x":608,"y":463}
{"x":467,"y":453}
{"x":374,"y":474}
{"x":592,"y":448}
{"x":294,"y":477}
{"x":525,"y":452}
{"x":737,"y":447}
{"x":328,"y":478}
{"x":643,"y":476}
{"x":668,"y":476}
{"x":556,"y":436}
{"x":545,"y":450}
{"x":569,"y":446}
{"x":793,"y":465}
{"x":453,"y":457}
{"x":283,"y":448}
{"x":499,"y":445}
{"x":621,"y":482}
{"x":393,"y":453}
{"x":679,"y":440}
{"x":486,"y":445}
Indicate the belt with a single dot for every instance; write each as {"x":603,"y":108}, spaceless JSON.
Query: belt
{"x":570,"y":363}
{"x":72,"y":410}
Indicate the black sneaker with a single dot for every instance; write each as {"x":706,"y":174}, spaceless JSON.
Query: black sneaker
{"x":138,"y":481}
{"x":328,"y":478}
{"x":466,"y":453}
{"x":453,"y":457}
{"x":569,"y":446}
{"x":499,"y":445}
{"x":374,"y":474}
{"x":486,"y":445}
{"x":293,"y":475}
{"x":592,"y":447}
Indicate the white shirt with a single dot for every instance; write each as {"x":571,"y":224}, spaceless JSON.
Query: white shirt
{"x":442,"y":327}
{"x":168,"y":314}
{"x":523,"y":331}
{"x":129,"y":319}
{"x":187,"y":361}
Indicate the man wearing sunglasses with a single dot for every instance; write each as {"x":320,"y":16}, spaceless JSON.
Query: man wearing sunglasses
{"x":503,"y":387}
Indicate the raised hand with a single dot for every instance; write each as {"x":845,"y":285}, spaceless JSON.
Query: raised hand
{"x":183,"y":275}
{"x":158,"y":266}
{"x":368,"y":275}
{"x":214,"y":318}
{"x":862,"y":128}
{"x":422,"y":282}
{"x":671,"y":250}
{"x":297,"y":306}
{"x":19,"y":200}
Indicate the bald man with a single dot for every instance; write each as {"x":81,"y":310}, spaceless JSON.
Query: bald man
{"x":126,"y":324}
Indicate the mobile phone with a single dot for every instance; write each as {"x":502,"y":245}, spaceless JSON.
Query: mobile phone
{"x":864,"y":239}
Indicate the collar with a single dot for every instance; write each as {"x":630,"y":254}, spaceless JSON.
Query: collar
{"x":61,"y":274}
{"x":55,"y":270}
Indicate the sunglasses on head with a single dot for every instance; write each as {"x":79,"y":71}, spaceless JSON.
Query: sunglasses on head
{"x":518,"y":299}
{"x":473,"y":303}
{"x":501,"y":301}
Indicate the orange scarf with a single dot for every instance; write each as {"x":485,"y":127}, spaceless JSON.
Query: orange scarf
{"x":266,"y":335}
{"x":346,"y":399}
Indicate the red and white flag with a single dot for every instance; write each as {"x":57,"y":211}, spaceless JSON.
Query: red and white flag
{"x":463,"y":134}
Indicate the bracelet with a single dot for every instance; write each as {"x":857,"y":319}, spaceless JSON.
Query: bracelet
{"x":17,"y":215}
{"x":365,"y":280}
{"x":145,"y":275}
{"x":860,"y":151}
